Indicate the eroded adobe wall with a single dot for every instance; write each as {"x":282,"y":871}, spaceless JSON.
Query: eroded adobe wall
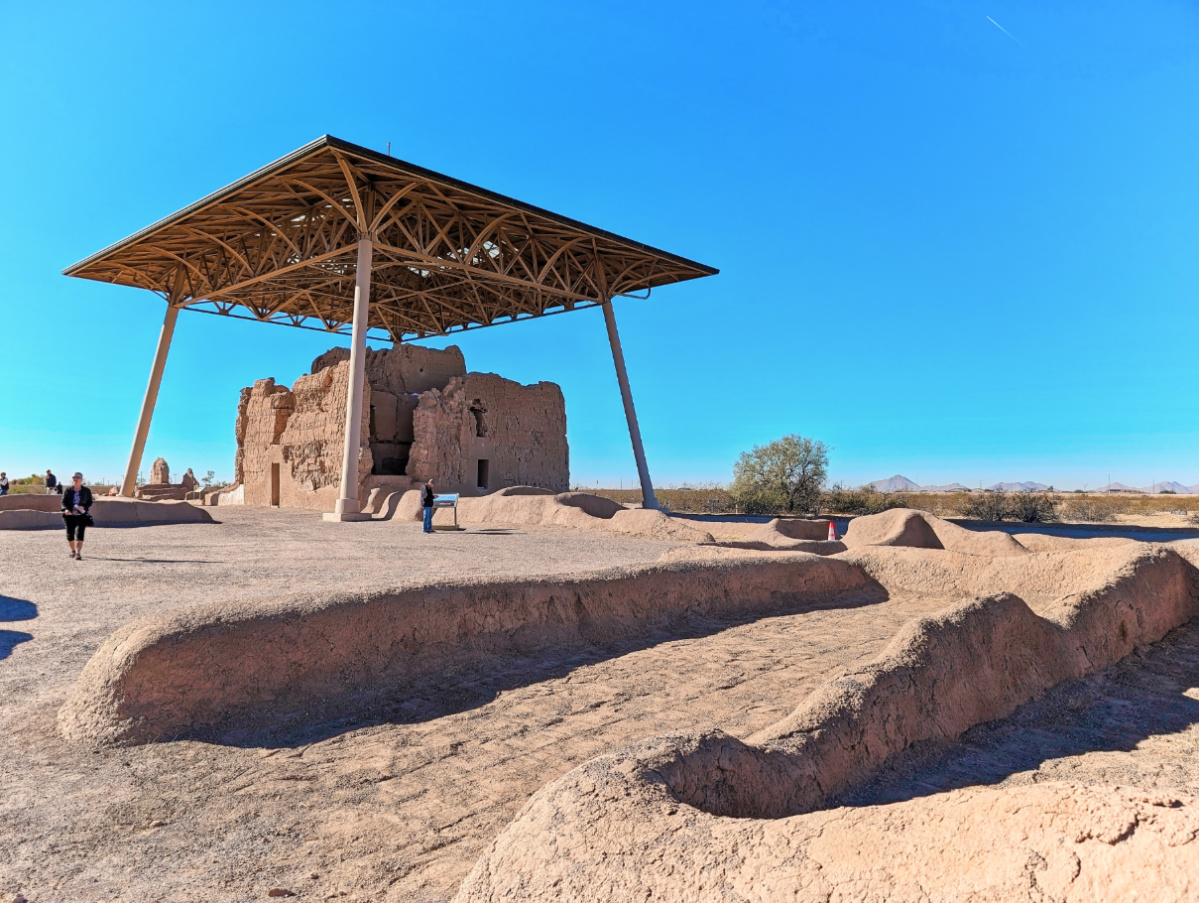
{"x":404,"y":369}
{"x":520,"y":431}
{"x":301,"y":430}
{"x":423,"y":416}
{"x":312,"y":440}
{"x":397,"y":377}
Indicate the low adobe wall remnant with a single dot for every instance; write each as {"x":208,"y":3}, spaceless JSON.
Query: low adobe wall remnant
{"x":603,"y":828}
{"x":189,"y":672}
{"x":424,"y":416}
{"x":531,"y":506}
{"x":44,"y":513}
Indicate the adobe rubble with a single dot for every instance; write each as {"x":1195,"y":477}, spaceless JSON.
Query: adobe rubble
{"x":424,"y":416}
{"x":161,"y":489}
{"x":160,"y":472}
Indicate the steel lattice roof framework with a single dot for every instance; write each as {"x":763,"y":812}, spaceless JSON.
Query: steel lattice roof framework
{"x":280,"y":246}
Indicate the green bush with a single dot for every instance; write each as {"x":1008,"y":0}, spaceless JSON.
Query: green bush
{"x":786,"y":475}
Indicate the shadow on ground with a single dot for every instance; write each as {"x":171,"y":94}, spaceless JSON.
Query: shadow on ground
{"x":16,"y":609}
{"x":9,"y":639}
{"x":470,"y":686}
{"x":1142,"y":696}
{"x":12,"y":609}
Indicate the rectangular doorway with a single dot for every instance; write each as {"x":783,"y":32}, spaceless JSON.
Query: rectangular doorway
{"x":483,"y":473}
{"x":275,"y":485}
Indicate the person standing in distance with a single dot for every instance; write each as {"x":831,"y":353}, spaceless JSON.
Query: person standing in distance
{"x":426,"y":503}
{"x":51,"y":483}
{"x":76,"y":500}
{"x":3,"y":483}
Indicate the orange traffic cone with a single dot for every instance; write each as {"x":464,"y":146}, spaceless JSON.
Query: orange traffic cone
{"x":832,"y":531}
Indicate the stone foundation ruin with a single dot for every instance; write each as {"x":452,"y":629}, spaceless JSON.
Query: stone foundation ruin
{"x":424,"y":417}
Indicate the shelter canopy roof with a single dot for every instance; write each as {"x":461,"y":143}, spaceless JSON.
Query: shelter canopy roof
{"x":280,"y":245}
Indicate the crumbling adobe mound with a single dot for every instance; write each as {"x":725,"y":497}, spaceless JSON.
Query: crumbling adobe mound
{"x":1043,"y":842}
{"x":191,"y":672}
{"x":1038,"y":578}
{"x":609,"y":826}
{"x":523,"y":490}
{"x":594,"y":505}
{"x":793,"y":528}
{"x":787,"y":536}
{"x":1044,"y":542}
{"x":917,"y":529}
{"x":581,"y":510}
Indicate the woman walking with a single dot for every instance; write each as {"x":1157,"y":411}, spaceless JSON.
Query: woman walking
{"x":76,"y":500}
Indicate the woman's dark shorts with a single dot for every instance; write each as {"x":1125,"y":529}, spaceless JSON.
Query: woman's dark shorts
{"x":76,"y":524}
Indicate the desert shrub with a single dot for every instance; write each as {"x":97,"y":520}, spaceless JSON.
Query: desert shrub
{"x":868,"y":500}
{"x":986,"y":506}
{"x":951,"y":504}
{"x":699,"y":498}
{"x":1094,"y":509}
{"x":786,"y":475}
{"x":840,"y":500}
{"x":1026,"y":507}
{"x":1032,"y":507}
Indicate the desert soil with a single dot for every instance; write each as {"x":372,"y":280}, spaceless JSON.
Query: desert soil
{"x":399,"y":809}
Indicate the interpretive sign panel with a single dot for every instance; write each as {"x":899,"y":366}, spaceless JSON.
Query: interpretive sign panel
{"x":449,"y":500}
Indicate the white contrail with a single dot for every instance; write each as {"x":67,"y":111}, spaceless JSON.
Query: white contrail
{"x":1004,"y":30}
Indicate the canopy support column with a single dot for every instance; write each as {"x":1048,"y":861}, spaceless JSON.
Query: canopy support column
{"x":129,"y":484}
{"x":648,"y":499}
{"x":347,"y":507}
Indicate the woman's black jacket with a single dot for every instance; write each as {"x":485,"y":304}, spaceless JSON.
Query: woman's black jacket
{"x":69,"y":502}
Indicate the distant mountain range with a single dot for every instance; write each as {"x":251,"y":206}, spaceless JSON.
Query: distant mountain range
{"x":1028,"y":486}
{"x":900,"y":483}
{"x":1168,"y":486}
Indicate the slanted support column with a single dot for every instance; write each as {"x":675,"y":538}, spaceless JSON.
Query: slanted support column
{"x":129,"y":484}
{"x":347,"y":507}
{"x":648,"y":499}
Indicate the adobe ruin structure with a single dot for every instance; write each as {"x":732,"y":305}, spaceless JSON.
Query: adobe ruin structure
{"x":307,"y":239}
{"x":423,"y":416}
{"x":160,"y":488}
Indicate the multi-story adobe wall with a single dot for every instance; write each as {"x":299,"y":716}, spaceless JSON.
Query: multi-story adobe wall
{"x":483,"y":432}
{"x":290,"y":440}
{"x":423,"y":416}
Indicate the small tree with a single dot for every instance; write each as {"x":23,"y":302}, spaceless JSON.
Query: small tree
{"x":787,"y":474}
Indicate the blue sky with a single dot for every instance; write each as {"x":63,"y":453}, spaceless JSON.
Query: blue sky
{"x":944,"y":251}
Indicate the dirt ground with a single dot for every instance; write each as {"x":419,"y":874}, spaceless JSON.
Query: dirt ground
{"x":400,"y":809}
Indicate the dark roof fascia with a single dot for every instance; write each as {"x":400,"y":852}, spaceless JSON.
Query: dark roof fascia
{"x":396,"y":164}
